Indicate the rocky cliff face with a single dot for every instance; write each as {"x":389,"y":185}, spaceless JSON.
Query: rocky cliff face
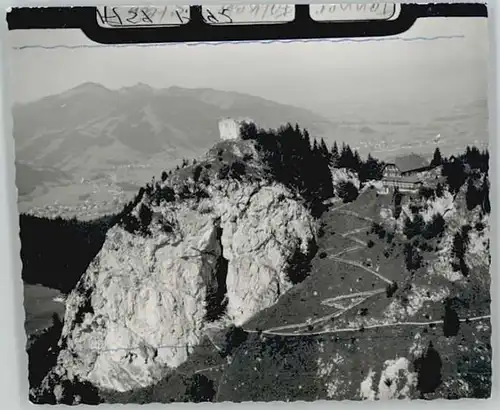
{"x":147,"y":298}
{"x":456,"y":261}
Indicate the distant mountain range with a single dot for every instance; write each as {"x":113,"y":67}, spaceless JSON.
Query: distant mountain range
{"x":98,"y":145}
{"x":92,"y":127}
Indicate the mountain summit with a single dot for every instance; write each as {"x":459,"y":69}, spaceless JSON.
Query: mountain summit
{"x":209,"y":245}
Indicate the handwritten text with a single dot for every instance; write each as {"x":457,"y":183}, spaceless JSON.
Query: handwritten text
{"x":248,"y":13}
{"x":239,"y":14}
{"x":352,"y":12}
{"x":142,"y":16}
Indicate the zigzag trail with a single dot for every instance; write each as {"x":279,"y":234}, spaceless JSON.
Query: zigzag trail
{"x":357,"y":329}
{"x":360,"y":265}
{"x":278,"y":331}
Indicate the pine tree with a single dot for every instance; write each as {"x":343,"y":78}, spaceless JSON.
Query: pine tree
{"x":485,"y":205}
{"x":307,"y":139}
{"x":346,"y":159}
{"x":294,"y":162}
{"x":397,"y":198}
{"x":197,"y":173}
{"x":357,"y":162}
{"x":347,"y":191}
{"x":200,"y":389}
{"x":460,"y":243}
{"x":145,"y":216}
{"x":323,"y":148}
{"x":451,"y":321}
{"x":428,"y":369}
{"x":455,"y":174}
{"x":334,"y":155}
{"x":437,"y":159}
{"x":485,"y":161}
{"x":248,"y":131}
{"x":435,"y":227}
{"x":473,"y":195}
{"x":458,"y":249}
{"x":370,"y":170}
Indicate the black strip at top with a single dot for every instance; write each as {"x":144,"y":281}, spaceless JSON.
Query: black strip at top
{"x":302,"y":27}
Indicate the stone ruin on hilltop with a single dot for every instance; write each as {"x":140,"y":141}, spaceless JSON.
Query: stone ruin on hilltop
{"x":229,"y":128}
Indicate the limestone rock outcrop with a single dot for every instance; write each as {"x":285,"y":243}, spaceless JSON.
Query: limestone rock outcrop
{"x":145,"y":300}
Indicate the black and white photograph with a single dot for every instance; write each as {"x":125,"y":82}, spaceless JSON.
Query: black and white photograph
{"x":256,"y":221}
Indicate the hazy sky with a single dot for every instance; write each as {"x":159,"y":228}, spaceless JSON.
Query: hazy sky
{"x":324,"y":76}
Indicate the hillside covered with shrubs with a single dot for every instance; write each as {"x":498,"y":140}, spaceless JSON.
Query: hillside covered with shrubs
{"x":444,"y":232}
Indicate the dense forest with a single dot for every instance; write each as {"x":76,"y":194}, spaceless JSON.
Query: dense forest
{"x":294,"y":161}
{"x":304,"y":165}
{"x":56,"y":252}
{"x":471,"y":169}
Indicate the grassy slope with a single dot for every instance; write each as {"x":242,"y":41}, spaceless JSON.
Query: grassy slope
{"x":464,"y":356}
{"x":268,"y":367}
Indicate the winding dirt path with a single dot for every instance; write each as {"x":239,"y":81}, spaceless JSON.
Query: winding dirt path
{"x":347,"y":250}
{"x":353,"y":295}
{"x":300,"y":329}
{"x":356,"y":215}
{"x":363,"y":228}
{"x":360,"y":265}
{"x":382,"y":325}
{"x":278,"y":330}
{"x":207,"y":369}
{"x":357,"y":240}
{"x":297,"y":326}
{"x":339,"y":207}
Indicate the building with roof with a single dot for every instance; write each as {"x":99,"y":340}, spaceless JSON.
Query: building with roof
{"x":394,"y":178}
{"x":391,"y":170}
{"x":403,"y":183}
{"x":411,"y":164}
